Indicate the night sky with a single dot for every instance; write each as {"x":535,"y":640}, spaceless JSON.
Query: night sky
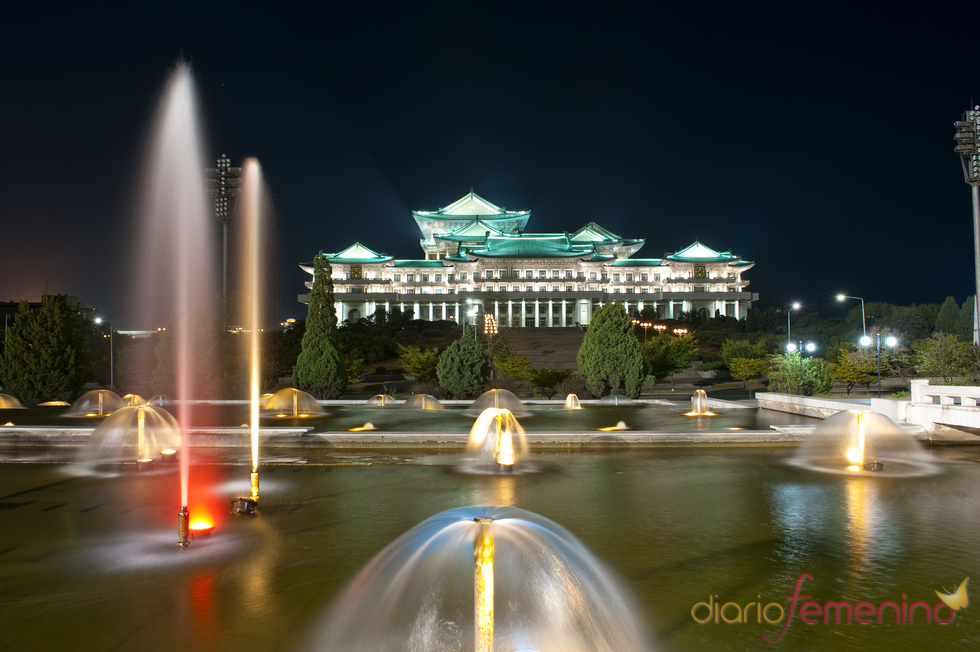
{"x":815,"y":140}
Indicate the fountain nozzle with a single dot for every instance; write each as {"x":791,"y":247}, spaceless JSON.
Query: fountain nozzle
{"x":183,"y":532}
{"x":874,"y":466}
{"x":255,"y":485}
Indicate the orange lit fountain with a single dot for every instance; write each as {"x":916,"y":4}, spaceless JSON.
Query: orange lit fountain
{"x":497,"y":439}
{"x":699,"y":405}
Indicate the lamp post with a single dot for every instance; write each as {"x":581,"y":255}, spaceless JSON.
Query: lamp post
{"x":967,"y":138}
{"x":680,"y":332}
{"x":864,"y":324}
{"x":809,"y":347}
{"x":789,"y":311}
{"x":645,"y":325}
{"x":112,"y":384}
{"x":224,"y":183}
{"x":890,"y":341}
{"x":660,"y":328}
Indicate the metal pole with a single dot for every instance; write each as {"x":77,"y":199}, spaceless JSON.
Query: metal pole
{"x":864,"y":323}
{"x":976,"y":253}
{"x":879,"y":365}
{"x":224,"y":276}
{"x":801,"y":368}
{"x":112,"y":383}
{"x":788,"y":337}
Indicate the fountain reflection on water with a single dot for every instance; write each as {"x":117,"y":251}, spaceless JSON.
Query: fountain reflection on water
{"x":497,"y":439}
{"x":483,"y":578}
{"x":860,"y":442}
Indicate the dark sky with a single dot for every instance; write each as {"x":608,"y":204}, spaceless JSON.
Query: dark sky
{"x":813,"y":138}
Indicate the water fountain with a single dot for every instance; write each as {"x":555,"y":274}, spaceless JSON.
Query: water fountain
{"x":138,"y":433}
{"x":8,"y":402}
{"x":498,"y":399}
{"x":254,"y":212}
{"x":617,"y":399}
{"x":483,"y":578}
{"x":381,"y":400}
{"x":422,"y":402}
{"x":294,"y":402}
{"x":860,"y":442}
{"x":54,"y":404}
{"x":160,"y":400}
{"x":133,"y":399}
{"x":699,"y":405}
{"x":96,"y":403}
{"x":497,"y":439}
{"x":572,"y":402}
{"x":176,"y":255}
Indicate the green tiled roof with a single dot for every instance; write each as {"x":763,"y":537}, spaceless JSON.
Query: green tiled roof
{"x":592,"y":232}
{"x":531,"y":246}
{"x":638,"y":262}
{"x":418,"y":263}
{"x":698,"y":253}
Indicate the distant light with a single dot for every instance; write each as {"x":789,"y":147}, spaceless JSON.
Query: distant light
{"x":811,"y":347}
{"x":796,"y":306}
{"x":841,"y":297}
{"x":891,"y":341}
{"x":98,"y":320}
{"x":865,"y":341}
{"x":790,"y":347}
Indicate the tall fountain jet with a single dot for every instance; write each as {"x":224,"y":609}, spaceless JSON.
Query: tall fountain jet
{"x":176,"y":274}
{"x":254,"y":213}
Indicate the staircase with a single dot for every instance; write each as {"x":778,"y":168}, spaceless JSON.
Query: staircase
{"x":546,"y":347}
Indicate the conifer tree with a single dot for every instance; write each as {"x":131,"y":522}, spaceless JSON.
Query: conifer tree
{"x":320,"y":367}
{"x":947,"y":321}
{"x":609,"y":358}
{"x":45,"y":357}
{"x":463,"y":368}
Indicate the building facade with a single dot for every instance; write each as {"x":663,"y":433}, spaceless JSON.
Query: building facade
{"x":478,"y":258}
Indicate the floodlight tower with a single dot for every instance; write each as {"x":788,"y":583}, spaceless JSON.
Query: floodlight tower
{"x":968,"y":147}
{"x":224,"y":183}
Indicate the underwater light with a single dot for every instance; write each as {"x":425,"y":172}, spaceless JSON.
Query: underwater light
{"x":201,"y":530}
{"x":144,"y":464}
{"x":874,"y":466}
{"x":168,"y":456}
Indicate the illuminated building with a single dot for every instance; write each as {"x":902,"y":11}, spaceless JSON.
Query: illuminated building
{"x":478,"y":253}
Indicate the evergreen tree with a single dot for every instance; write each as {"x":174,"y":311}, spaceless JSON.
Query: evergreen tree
{"x":320,"y":367}
{"x":966,"y":319}
{"x":45,"y":357}
{"x":463,"y":368}
{"x":948,"y":319}
{"x":609,"y":358}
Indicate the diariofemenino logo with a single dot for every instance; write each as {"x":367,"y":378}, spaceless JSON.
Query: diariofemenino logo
{"x":836,"y":612}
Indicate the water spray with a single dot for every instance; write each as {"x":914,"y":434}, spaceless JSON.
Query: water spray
{"x":483,"y":585}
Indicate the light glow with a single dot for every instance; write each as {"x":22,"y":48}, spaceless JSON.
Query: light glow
{"x":483,"y":588}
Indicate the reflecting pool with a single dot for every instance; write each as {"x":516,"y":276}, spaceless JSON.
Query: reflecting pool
{"x":91,"y":563}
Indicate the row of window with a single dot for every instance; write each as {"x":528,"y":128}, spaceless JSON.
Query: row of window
{"x":502,"y":274}
{"x":490,"y":287}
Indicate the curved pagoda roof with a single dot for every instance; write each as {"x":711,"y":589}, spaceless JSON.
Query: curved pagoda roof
{"x":463,"y":212}
{"x":699,"y":253}
{"x":528,"y":245}
{"x":356,"y":254}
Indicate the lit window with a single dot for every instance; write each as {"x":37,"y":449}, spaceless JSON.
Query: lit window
{"x":554,"y":273}
{"x":568,"y":273}
{"x":629,"y":278}
{"x":542,"y":273}
{"x":425,"y":278}
{"x":398,"y":278}
{"x":644,"y":277}
{"x":529,"y":274}
{"x":410,"y":278}
{"x":591,"y":276}
{"x":438,"y":278}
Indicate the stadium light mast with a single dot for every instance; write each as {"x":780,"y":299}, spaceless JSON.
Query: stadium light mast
{"x":224,"y":183}
{"x":968,"y":147}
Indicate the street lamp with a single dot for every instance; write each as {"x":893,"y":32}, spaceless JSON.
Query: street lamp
{"x":864,"y":325}
{"x":660,"y":328}
{"x":112,"y":384}
{"x":809,"y":347}
{"x":890,"y":341}
{"x":967,"y":138}
{"x":789,"y":311}
{"x":645,"y":325}
{"x":680,"y":332}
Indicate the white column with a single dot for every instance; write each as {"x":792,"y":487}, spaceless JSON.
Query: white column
{"x":510,"y":313}
{"x":430,"y":312}
{"x":537,"y":312}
